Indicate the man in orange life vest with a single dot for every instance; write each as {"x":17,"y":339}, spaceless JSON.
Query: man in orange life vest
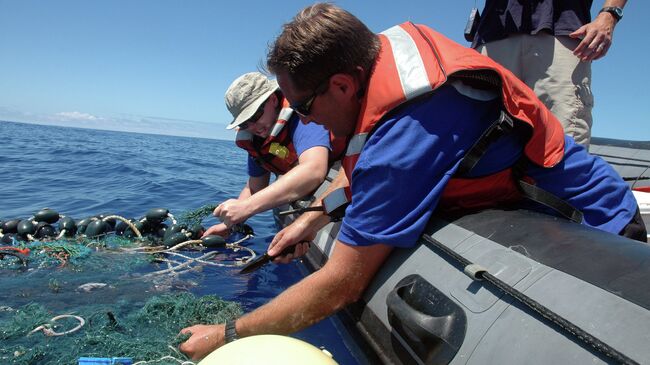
{"x":414,"y":104}
{"x":276,"y":142}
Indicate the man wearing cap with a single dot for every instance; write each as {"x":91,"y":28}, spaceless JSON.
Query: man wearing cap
{"x":276,"y":142}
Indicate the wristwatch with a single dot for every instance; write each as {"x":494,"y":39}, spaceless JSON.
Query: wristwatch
{"x":614,"y":10}
{"x":231,"y":332}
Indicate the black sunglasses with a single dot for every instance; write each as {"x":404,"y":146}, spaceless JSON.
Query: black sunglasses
{"x":304,"y":108}
{"x":252,"y":120}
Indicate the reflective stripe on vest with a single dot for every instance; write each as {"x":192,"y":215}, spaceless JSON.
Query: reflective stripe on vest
{"x":415,"y":60}
{"x":283,"y":117}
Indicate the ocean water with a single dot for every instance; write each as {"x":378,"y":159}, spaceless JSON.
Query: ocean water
{"x":81,"y":172}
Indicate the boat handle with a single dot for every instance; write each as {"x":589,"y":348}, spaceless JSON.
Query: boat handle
{"x":416,"y":325}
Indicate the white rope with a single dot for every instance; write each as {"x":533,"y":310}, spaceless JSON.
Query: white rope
{"x":128,"y":223}
{"x":185,"y":264}
{"x":47,"y":328}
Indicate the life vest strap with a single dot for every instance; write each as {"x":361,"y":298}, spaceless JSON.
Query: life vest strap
{"x":544,"y":197}
{"x":502,"y":126}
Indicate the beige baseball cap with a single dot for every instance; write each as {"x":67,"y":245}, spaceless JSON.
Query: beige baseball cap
{"x":246,"y":94}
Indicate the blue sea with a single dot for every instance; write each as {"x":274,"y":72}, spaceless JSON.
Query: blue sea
{"x":82,"y":172}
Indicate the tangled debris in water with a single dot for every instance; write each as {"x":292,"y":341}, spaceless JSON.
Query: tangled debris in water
{"x":100,"y":281}
{"x":36,"y":238}
{"x":148,"y":333}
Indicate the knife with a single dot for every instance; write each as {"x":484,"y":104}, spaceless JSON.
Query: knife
{"x":259,"y":261}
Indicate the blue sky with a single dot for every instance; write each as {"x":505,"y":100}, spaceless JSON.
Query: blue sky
{"x":163,"y":66}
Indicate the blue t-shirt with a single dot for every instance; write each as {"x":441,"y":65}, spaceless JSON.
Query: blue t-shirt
{"x":409,"y":159}
{"x":304,"y":137}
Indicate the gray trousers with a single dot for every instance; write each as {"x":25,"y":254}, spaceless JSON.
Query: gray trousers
{"x":561,"y":81}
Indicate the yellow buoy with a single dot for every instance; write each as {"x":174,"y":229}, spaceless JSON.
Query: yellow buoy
{"x":268,"y":350}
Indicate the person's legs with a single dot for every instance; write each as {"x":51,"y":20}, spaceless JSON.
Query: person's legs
{"x":561,"y":81}
{"x":507,"y":52}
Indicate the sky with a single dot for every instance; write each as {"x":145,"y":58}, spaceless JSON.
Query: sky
{"x":163,"y":66}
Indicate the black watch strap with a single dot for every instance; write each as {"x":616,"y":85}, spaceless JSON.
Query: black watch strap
{"x":616,"y":11}
{"x":231,"y":332}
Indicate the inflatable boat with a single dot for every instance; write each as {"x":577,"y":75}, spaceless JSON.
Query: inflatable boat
{"x":508,"y":287}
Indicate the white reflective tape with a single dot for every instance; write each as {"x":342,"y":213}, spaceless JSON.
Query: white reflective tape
{"x":276,"y":129}
{"x":408,"y":60}
{"x":283,"y":118}
{"x":356,"y":144}
{"x":285,"y":113}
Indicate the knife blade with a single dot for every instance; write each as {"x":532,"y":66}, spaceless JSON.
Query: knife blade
{"x":260,"y":261}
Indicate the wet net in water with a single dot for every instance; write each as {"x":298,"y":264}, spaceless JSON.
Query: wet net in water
{"x":108,"y":295}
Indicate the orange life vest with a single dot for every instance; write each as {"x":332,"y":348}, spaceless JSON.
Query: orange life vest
{"x":277,"y":153}
{"x":414,"y":61}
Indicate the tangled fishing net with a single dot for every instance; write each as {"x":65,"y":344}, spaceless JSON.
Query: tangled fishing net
{"x":145,"y":335}
{"x":108,"y":291}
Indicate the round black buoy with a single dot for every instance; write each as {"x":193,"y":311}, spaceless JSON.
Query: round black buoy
{"x":174,"y":228}
{"x":111,"y":221}
{"x":128,"y":232}
{"x":96,"y":228}
{"x":243,"y":228}
{"x":69,"y":225}
{"x":157,"y":215}
{"x":10,"y":226}
{"x":175,"y":239}
{"x":121,"y":227}
{"x":44,"y":230}
{"x":213,"y":240}
{"x":47,"y":215}
{"x":82,"y":224}
{"x":197,"y":231}
{"x":26,"y":227}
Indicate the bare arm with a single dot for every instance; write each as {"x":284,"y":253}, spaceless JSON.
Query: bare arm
{"x":298,"y":182}
{"x":254,"y":184}
{"x":306,"y":226}
{"x":340,"y":282}
{"x":597,"y":35}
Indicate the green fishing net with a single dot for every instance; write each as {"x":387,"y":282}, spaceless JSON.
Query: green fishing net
{"x":145,"y":334}
{"x":131,"y":298}
{"x":196,"y":216}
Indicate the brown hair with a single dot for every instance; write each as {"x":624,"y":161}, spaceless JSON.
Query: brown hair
{"x":320,"y":41}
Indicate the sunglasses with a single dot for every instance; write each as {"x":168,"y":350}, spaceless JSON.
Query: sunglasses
{"x":304,"y":108}
{"x":252,"y":120}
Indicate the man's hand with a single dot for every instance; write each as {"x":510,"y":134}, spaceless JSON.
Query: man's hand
{"x":232,"y":211}
{"x":218,"y":229}
{"x":290,"y":235}
{"x":596,"y":37}
{"x":204,"y":340}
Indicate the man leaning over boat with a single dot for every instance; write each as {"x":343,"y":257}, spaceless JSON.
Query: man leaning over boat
{"x":433,"y":126}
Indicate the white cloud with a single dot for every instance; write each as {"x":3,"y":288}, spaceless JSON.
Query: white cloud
{"x":72,"y":116}
{"x":122,"y":122}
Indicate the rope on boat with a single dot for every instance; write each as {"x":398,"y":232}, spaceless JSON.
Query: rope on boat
{"x":479,"y":273}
